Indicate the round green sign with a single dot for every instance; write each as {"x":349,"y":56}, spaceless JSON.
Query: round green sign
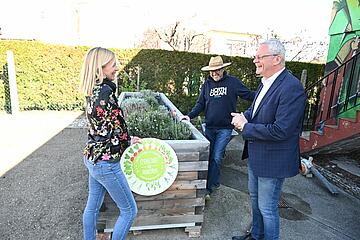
{"x":150,"y":167}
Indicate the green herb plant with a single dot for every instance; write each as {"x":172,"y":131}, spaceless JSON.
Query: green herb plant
{"x":147,"y":117}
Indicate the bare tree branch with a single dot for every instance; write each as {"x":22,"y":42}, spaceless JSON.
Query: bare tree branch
{"x":177,"y":38}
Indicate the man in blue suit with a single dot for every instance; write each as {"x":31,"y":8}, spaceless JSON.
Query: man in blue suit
{"x":271,"y":128}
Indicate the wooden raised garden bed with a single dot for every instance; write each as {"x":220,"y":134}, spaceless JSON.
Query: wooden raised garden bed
{"x":181,"y":205}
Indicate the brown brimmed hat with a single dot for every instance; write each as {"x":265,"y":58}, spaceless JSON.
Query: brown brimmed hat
{"x":215,"y":63}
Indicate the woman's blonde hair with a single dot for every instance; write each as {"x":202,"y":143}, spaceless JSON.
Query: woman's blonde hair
{"x":91,"y":72}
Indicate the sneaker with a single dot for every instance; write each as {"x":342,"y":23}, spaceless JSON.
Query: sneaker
{"x":217,"y":187}
{"x":207,"y":197}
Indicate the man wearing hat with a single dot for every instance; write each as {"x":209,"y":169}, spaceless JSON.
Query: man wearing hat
{"x":218,"y":98}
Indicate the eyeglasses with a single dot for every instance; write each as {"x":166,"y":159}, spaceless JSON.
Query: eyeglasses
{"x":264,"y":56}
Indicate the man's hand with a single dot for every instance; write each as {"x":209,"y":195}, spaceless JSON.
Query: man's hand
{"x":238,"y":120}
{"x":185,"y":117}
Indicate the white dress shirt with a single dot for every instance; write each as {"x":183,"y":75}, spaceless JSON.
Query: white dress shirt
{"x":266,"y":85}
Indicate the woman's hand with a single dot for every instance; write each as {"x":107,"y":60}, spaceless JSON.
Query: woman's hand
{"x":134,"y":140}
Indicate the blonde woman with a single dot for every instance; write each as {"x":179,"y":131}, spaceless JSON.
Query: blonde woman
{"x":107,"y":139}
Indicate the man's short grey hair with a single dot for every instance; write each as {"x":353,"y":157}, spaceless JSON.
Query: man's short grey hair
{"x":276,"y":48}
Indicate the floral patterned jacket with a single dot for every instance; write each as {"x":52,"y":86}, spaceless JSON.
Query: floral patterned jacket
{"x":108,"y":136}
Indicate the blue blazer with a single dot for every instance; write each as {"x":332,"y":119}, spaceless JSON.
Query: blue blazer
{"x":272,"y":134}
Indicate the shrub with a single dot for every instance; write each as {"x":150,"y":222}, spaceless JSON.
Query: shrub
{"x":134,"y":104}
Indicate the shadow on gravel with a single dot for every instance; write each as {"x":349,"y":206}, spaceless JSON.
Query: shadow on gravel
{"x":43,"y":196}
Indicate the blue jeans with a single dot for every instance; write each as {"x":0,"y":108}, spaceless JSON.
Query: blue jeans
{"x":265,"y":195}
{"x":105,"y":176}
{"x":218,"y":139}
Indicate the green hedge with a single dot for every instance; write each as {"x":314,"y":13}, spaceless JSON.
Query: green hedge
{"x":178,"y":73}
{"x":48,"y":75}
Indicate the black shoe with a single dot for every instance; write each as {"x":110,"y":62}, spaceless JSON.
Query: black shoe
{"x":244,"y":237}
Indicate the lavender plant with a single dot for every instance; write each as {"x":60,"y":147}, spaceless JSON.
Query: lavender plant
{"x":147,"y":117}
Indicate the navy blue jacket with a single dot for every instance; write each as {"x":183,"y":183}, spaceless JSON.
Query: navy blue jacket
{"x":218,"y":99}
{"x":272,"y":134}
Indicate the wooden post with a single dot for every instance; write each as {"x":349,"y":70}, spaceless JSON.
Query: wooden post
{"x":303,"y":77}
{"x":138,"y":79}
{"x":14,"y":100}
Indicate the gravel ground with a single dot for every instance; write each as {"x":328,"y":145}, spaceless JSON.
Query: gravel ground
{"x":43,"y":197}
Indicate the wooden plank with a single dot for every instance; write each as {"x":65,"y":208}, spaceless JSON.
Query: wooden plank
{"x":187,"y":156}
{"x":193,"y":166}
{"x":143,"y":221}
{"x":194,"y":231}
{"x":113,"y":212}
{"x":162,"y":226}
{"x":166,"y":203}
{"x":168,"y":220}
{"x":172,"y":192}
{"x":171,"y":203}
{"x":187,"y":176}
{"x":168,"y":194}
{"x":167,"y":212}
{"x":101,"y":224}
{"x":189,"y":145}
{"x":193,"y":184}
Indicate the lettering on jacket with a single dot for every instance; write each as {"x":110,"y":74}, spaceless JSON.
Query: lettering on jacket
{"x":217,"y":92}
